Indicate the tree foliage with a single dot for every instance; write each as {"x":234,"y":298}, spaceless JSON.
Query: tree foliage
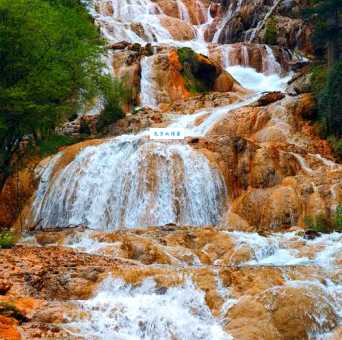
{"x":49,"y":55}
{"x":326,"y":17}
{"x":271,"y":32}
{"x":330,"y":101}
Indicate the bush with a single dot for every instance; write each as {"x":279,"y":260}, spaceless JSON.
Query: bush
{"x":271,"y":32}
{"x":324,"y":224}
{"x":338,"y":217}
{"x":319,"y":75}
{"x":52,"y":143}
{"x":7,"y":239}
{"x":336,"y":145}
{"x":115,"y":94}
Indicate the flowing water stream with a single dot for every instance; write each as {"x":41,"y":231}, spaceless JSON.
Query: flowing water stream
{"x":130,"y":181}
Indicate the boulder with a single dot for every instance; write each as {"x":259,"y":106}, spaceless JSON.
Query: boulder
{"x":178,"y":29}
{"x":270,"y":98}
{"x":224,"y":82}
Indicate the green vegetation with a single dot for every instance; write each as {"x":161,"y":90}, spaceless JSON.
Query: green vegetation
{"x":330,"y":101}
{"x":53,"y":142}
{"x":49,"y":65}
{"x":336,"y":145}
{"x":327,"y":77}
{"x":324,"y":224}
{"x":7,"y":239}
{"x":326,"y":17}
{"x":318,"y":78}
{"x":116,"y":94}
{"x":327,"y":88}
{"x":271,"y":32}
{"x":199,"y":76}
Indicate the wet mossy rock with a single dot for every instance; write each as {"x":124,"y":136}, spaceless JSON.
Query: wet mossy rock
{"x":198,"y":71}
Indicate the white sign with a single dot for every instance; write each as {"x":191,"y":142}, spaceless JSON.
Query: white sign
{"x":167,"y":133}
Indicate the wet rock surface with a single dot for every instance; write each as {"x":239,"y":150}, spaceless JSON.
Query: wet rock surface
{"x":263,"y":296}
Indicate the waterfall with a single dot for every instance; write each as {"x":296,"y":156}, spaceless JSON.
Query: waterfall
{"x":240,"y":54}
{"x":270,"y":64}
{"x":147,"y":86}
{"x":231,"y":12}
{"x":183,"y":11}
{"x":263,"y":22}
{"x":128,"y":182}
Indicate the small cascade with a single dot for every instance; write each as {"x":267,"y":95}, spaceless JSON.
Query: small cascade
{"x":281,"y":249}
{"x":214,"y":115}
{"x":233,"y":9}
{"x":258,"y":82}
{"x":257,"y":56}
{"x":183,"y":11}
{"x":262,"y":23}
{"x":147,"y":87}
{"x":130,"y":20}
{"x":270,"y":64}
{"x":119,"y":310}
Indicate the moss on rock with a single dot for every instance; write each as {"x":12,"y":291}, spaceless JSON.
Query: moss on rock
{"x":198,"y":71}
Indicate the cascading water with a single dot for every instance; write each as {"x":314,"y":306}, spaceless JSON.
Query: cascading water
{"x":233,"y":9}
{"x":183,"y":11}
{"x":129,"y":181}
{"x":148,"y":97}
{"x":147,"y":313}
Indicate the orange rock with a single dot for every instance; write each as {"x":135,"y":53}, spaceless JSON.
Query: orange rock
{"x":224,"y":82}
{"x":8,"y":329}
{"x":177,"y":28}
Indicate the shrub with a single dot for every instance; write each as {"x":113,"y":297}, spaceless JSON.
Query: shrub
{"x":338,"y":217}
{"x":336,"y":145}
{"x":7,"y":239}
{"x":115,"y":95}
{"x":318,"y":78}
{"x":324,"y":224}
{"x":327,"y":88}
{"x":52,"y":143}
{"x":319,"y":223}
{"x":271,"y":32}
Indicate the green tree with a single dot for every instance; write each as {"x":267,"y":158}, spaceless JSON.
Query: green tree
{"x":330,"y":101}
{"x":49,"y":54}
{"x":326,"y":16}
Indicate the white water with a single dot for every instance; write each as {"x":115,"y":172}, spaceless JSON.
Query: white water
{"x":259,"y":82}
{"x":183,"y":11}
{"x":146,"y":14}
{"x":280,"y":249}
{"x":213,"y":116}
{"x":127,"y":182}
{"x":232,"y":10}
{"x":121,"y":311}
{"x":147,"y":84}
